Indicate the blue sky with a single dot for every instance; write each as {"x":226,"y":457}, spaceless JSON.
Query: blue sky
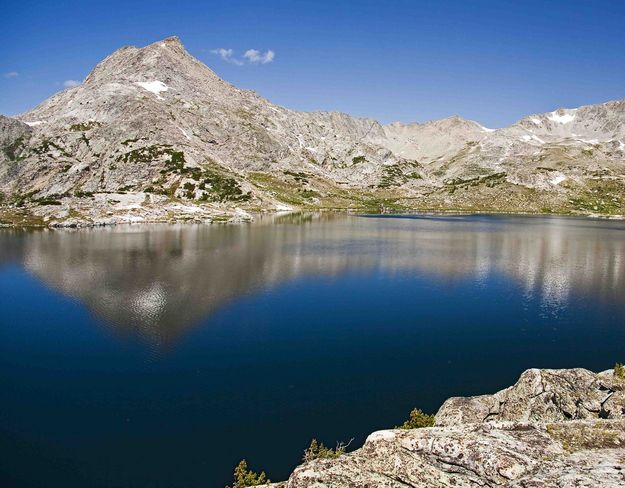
{"x":491,"y":61}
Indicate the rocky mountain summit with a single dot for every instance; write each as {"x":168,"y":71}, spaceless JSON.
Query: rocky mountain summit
{"x":152,"y":134}
{"x":552,"y":428}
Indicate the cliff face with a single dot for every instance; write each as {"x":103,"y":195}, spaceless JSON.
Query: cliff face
{"x":157,"y":124}
{"x":552,"y":428}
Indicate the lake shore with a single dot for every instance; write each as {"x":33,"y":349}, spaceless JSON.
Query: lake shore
{"x":71,"y":215}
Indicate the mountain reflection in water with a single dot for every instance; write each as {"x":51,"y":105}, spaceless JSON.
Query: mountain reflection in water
{"x":158,"y":281}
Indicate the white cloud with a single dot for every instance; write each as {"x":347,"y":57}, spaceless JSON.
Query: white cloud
{"x":251,"y":56}
{"x":70,"y":83}
{"x":227,"y":55}
{"x":254,"y":56}
{"x":11,"y":74}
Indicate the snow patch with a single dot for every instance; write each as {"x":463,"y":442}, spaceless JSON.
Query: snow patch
{"x":486,"y":129}
{"x":533,"y":137}
{"x":536,"y":121}
{"x":35,"y":123}
{"x":311,"y":149}
{"x":283,"y":208}
{"x":155,"y":87}
{"x":561,"y":119}
{"x":621,"y":145}
{"x":556,"y":180}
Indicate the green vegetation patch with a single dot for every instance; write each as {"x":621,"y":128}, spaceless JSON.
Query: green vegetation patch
{"x":47,"y":146}
{"x":300,"y":177}
{"x":325,"y":194}
{"x":476,"y":180}
{"x":48,"y":201}
{"x":220,"y":188}
{"x":245,"y":477}
{"x":130,"y":141}
{"x":281,"y":189}
{"x":317,"y":450}
{"x":605,"y":196}
{"x":619,"y":371}
{"x":396,"y":175}
{"x":20,"y":218}
{"x":418,"y":420}
{"x":597,"y":435}
{"x":174,"y":160}
{"x":20,"y":200}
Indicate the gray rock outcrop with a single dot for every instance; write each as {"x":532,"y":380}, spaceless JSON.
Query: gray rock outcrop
{"x":552,"y":428}
{"x":542,"y":396}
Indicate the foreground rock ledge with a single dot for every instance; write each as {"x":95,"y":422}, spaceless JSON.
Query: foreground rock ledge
{"x":552,"y":428}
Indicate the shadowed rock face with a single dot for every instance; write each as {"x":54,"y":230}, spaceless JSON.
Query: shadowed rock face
{"x":552,"y":428}
{"x":11,"y":130}
{"x":158,"y":123}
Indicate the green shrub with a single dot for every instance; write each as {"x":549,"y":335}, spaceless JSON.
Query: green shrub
{"x":49,"y":201}
{"x":358,"y":159}
{"x":298,"y":176}
{"x":148,"y":154}
{"x":317,"y":450}
{"x":47,"y":146}
{"x":244,"y":477}
{"x":309,"y":193}
{"x":619,"y":371}
{"x":417,"y":420}
{"x":222,"y":188}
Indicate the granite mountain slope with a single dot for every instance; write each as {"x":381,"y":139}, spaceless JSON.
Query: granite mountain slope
{"x":152,"y":134}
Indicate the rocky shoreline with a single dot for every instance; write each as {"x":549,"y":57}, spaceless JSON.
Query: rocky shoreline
{"x":114,"y":209}
{"x":552,"y":428}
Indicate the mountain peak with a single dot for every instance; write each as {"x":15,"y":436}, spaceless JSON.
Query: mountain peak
{"x":164,"y":58}
{"x":172,"y":40}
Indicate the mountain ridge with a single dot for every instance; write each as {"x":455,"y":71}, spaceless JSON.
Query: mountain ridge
{"x":158,"y":132}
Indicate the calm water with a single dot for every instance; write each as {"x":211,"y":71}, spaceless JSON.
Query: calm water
{"x":160,"y":356}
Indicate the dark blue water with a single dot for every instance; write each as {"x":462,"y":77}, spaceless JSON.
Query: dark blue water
{"x":160,"y":356}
